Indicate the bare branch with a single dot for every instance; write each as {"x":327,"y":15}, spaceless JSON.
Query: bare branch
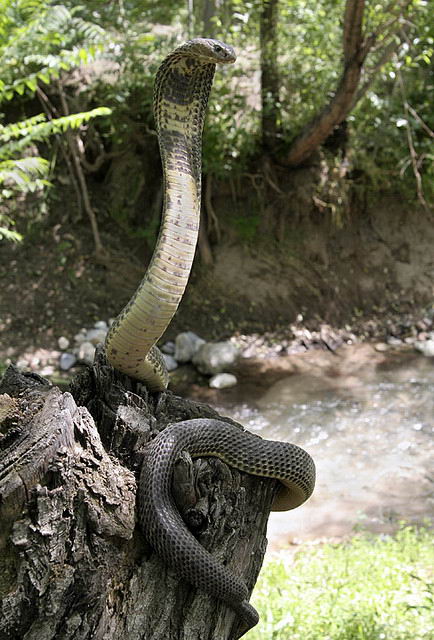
{"x":413,"y":154}
{"x":93,"y":167}
{"x":423,"y":124}
{"x":75,"y":155}
{"x":50,"y":111}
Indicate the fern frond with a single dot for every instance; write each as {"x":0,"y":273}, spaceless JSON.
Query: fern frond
{"x":41,"y":131}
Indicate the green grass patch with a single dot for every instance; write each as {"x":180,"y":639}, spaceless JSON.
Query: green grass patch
{"x":370,"y":588}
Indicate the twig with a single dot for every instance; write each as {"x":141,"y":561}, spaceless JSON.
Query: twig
{"x":423,"y":124}
{"x":211,"y":214}
{"x":50,"y":110}
{"x":75,"y":154}
{"x":411,"y":147}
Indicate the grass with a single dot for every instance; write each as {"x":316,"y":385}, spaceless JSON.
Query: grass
{"x":371,"y":588}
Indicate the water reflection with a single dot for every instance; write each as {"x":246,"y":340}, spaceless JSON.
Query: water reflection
{"x":371,"y":437}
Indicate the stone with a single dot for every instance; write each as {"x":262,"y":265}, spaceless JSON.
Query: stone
{"x":381,"y":347}
{"x":80,"y":336}
{"x":215,"y":357}
{"x":95,"y":336}
{"x":102,"y":325}
{"x":168,"y":347}
{"x":86,"y":352}
{"x":186,"y":346}
{"x":66,"y":361}
{"x":223,"y":381}
{"x":170,"y":361}
{"x":426,"y":348}
{"x":63,"y":343}
{"x":48,"y":370}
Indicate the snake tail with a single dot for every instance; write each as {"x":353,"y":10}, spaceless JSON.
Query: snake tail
{"x":182,"y":87}
{"x":162,"y":523}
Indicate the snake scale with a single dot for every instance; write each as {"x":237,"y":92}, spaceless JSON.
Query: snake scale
{"x":182,"y":87}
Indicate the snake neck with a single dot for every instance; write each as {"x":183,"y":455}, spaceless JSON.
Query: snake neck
{"x":181,"y":94}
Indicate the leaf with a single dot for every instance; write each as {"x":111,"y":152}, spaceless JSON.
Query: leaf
{"x":31,"y":84}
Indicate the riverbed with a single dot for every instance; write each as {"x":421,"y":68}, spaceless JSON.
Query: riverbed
{"x":367,"y":419}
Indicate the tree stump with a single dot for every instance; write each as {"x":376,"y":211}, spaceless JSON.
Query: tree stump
{"x":73,"y":562}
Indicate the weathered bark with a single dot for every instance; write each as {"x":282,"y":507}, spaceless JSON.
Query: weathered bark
{"x":73,"y":563}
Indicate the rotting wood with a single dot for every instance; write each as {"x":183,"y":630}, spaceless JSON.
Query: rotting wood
{"x":73,"y":561}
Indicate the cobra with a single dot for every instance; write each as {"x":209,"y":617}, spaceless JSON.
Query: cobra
{"x":181,"y":93}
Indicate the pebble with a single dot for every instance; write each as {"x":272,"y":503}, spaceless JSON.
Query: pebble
{"x":63,"y":343}
{"x":215,"y":357}
{"x":80,"y":336}
{"x":427,"y":348}
{"x":86,"y":352}
{"x":381,"y":347}
{"x":95,"y":336}
{"x":48,"y":370}
{"x":170,"y":361}
{"x":66,"y":361}
{"x":168,"y":347}
{"x":102,"y":325}
{"x":393,"y":342}
{"x":223,"y":381}
{"x":187,"y":345}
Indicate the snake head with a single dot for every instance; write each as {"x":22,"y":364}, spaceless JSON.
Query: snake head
{"x":209,"y":50}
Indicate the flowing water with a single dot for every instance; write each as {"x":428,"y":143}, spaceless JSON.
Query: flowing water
{"x":371,"y":436}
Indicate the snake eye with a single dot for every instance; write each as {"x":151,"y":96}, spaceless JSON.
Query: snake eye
{"x":218,"y":48}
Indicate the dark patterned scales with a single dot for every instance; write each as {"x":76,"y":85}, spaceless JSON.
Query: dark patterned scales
{"x":165,"y":528}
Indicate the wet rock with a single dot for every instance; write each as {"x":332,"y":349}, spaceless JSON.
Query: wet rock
{"x":170,"y":361}
{"x":223,"y":381}
{"x":213,"y":358}
{"x":63,"y":343}
{"x":86,"y":352}
{"x":187,"y":345}
{"x":426,"y":348}
{"x":67,"y":361}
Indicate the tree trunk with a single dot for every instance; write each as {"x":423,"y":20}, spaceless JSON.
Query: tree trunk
{"x":270,"y":83}
{"x":208,"y":15}
{"x":73,"y":563}
{"x":318,"y":130}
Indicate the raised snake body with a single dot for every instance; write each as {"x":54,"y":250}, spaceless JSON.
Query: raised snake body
{"x":182,"y":88}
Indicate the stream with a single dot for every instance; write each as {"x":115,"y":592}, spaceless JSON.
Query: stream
{"x":370,"y":430}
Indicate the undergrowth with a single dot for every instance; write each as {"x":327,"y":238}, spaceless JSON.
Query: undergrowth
{"x":370,"y":588}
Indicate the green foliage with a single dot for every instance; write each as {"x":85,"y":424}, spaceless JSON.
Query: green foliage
{"x":41,"y":42}
{"x":38,"y":43}
{"x":39,"y":129}
{"x":366,"y":589}
{"x":381,"y":124}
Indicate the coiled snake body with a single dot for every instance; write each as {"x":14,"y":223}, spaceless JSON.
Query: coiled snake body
{"x":182,"y":88}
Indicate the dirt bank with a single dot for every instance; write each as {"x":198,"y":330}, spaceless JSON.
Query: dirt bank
{"x":370,"y":274}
